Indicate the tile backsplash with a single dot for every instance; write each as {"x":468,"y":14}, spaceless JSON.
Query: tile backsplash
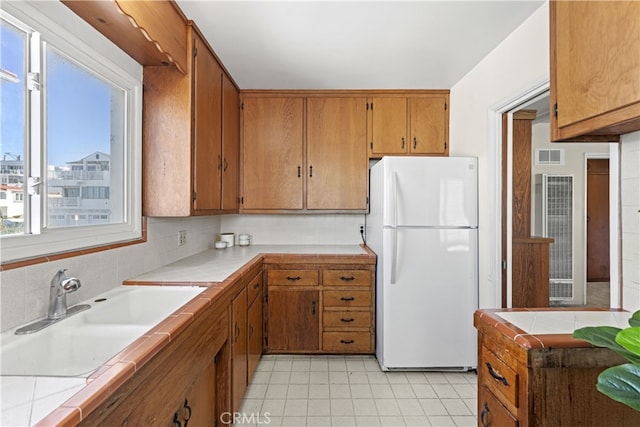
{"x":24,"y":292}
{"x":296,"y":229}
{"x":630,"y":218}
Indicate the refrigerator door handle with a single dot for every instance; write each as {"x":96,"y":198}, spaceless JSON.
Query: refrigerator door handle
{"x":394,"y":255}
{"x":393,"y":182}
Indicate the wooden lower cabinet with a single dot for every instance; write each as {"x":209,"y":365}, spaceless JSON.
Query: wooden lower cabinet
{"x":246,"y":335}
{"x":293,"y":320}
{"x":188,"y":380}
{"x":542,"y":380}
{"x":254,"y":327}
{"x":239,"y":348}
{"x":323,"y":308}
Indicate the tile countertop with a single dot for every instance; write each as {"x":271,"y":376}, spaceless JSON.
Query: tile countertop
{"x":549,"y":327}
{"x":216,"y":265}
{"x":26,"y":400}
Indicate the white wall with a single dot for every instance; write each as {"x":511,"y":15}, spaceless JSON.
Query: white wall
{"x":518,"y":64}
{"x":574,"y":165}
{"x":24,"y":292}
{"x":630,"y":213}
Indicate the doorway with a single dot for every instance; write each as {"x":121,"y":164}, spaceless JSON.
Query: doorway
{"x":505,"y":177}
{"x":597,"y":225}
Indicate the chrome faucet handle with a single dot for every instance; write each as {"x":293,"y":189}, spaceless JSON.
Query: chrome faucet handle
{"x":70,"y":284}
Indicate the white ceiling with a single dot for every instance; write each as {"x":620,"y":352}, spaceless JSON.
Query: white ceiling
{"x":356,"y":44}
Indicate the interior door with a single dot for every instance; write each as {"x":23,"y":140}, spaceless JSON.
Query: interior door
{"x":598,"y":220}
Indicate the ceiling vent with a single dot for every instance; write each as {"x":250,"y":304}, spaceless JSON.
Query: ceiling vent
{"x":549,"y":156}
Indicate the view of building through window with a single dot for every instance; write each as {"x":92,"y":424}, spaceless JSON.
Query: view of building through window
{"x":80,"y":154}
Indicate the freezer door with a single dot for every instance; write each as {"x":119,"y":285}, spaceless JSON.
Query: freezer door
{"x":431,"y":191}
{"x":425,"y":317}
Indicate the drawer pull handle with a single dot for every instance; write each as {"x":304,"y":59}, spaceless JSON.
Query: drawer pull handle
{"x":293,"y":279}
{"x":496,"y":375}
{"x":347,"y":341}
{"x":347,"y":320}
{"x":347,"y":279}
{"x":347,"y":298}
{"x":256,"y":285}
{"x":483,"y":414}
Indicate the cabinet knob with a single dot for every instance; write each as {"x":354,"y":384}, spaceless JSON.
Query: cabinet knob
{"x":347,"y":320}
{"x":299,"y":171}
{"x":347,"y":298}
{"x":176,"y":420}
{"x":415,"y":142}
{"x":313,"y":308}
{"x":294,"y":278}
{"x":403,"y":142}
{"x":187,"y":412}
{"x":347,"y":279}
{"x":347,"y":341}
{"x":310,"y":171}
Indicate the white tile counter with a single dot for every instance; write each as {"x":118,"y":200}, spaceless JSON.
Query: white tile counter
{"x":564,"y":322}
{"x":26,"y":400}
{"x":215,"y":265}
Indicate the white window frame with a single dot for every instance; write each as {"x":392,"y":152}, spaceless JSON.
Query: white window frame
{"x":63,"y":29}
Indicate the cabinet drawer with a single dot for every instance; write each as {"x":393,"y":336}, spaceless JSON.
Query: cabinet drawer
{"x":346,"y":319}
{"x":347,"y":342}
{"x":292,"y":277}
{"x":498,"y":377}
{"x":346,"y":278}
{"x":254,"y":288}
{"x":491,"y":412}
{"x":348,"y":298}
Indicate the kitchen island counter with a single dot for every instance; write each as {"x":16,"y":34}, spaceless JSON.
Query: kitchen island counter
{"x":532,"y":372}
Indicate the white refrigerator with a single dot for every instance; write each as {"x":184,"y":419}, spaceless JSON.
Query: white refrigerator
{"x":423,"y":226}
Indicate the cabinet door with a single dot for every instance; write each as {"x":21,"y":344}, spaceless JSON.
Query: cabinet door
{"x":230,"y":144}
{"x":207,"y":87}
{"x":199,"y":407}
{"x":293,"y":319}
{"x":428,"y":125}
{"x":239,"y":348}
{"x":491,"y":412}
{"x":272,"y":166}
{"x":254,"y":336}
{"x":595,"y":67}
{"x":389,"y":126}
{"x":337,"y":162}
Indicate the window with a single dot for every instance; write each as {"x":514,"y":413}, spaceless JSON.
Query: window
{"x":71,"y":134}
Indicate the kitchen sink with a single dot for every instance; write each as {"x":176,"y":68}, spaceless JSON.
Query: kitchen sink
{"x":78,"y":345}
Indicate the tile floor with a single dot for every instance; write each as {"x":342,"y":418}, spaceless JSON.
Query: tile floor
{"x":300,"y":390}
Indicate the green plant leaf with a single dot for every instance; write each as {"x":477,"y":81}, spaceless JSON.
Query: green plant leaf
{"x":605,"y":336}
{"x":629,"y":338}
{"x":634,"y":320}
{"x":621,"y":383}
{"x":600,"y":336}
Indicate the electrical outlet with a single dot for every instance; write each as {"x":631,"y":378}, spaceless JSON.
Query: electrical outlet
{"x":183,"y":237}
{"x":361,"y":228}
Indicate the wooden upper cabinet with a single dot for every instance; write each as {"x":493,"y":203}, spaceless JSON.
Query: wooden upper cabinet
{"x":183,"y":155}
{"x":411,"y":125}
{"x":595,"y":69}
{"x":230,"y":145}
{"x":388,"y":126}
{"x":337,"y":164}
{"x":207,"y":94}
{"x":272,"y":153}
{"x":428,"y":125}
{"x":153,"y":33}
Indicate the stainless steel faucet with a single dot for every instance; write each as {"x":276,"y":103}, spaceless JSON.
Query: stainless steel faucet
{"x":61,"y":284}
